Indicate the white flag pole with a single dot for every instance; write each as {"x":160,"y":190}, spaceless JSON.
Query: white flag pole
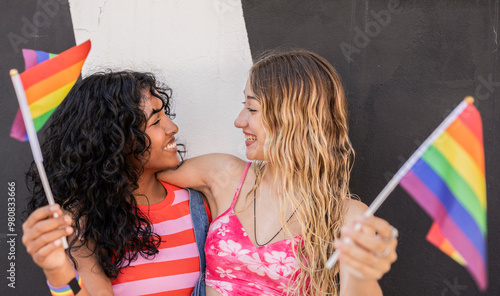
{"x":33,"y":139}
{"x":407,"y":166}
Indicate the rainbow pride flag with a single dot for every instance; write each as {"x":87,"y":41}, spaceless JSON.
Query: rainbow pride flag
{"x":31,"y":58}
{"x":448,"y":181}
{"x":47,"y":79}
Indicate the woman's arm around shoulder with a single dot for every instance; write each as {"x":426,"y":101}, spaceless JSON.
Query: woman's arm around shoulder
{"x":212,"y":174}
{"x":42,"y":235}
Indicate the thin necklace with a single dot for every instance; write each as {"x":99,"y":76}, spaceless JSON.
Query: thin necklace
{"x":255,"y":223}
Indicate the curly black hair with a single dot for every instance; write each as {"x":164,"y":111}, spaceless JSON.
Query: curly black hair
{"x":91,"y":150}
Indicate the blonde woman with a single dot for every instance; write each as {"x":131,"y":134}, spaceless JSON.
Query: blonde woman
{"x":280,"y":217}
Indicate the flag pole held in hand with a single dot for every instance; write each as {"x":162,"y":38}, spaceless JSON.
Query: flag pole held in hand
{"x":33,"y":139}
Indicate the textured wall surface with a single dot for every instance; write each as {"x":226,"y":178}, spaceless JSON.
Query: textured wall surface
{"x":404,"y":65}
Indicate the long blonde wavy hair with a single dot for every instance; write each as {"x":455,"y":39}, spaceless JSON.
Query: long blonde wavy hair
{"x":304,"y":114}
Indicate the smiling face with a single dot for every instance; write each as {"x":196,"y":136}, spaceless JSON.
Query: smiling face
{"x":249,"y":120}
{"x":161,"y":130}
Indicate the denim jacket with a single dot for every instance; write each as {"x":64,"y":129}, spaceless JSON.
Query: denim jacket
{"x":200,"y":225}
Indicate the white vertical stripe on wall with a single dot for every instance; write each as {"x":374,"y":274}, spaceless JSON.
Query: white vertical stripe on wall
{"x":198,"y":47}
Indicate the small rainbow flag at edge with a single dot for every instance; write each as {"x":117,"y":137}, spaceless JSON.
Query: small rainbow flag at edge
{"x":47,"y":79}
{"x":448,"y":181}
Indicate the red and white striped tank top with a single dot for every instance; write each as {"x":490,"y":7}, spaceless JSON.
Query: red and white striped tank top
{"x":176,"y":268}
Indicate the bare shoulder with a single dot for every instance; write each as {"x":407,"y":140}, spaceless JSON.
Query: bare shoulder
{"x":224,"y":171}
{"x":223,"y":162}
{"x":221,"y":174}
{"x":215,"y":167}
{"x":199,"y":172}
{"x":354,"y":208}
{"x":213,"y":162}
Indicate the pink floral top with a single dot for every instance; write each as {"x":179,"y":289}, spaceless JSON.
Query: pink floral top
{"x":236,"y":267}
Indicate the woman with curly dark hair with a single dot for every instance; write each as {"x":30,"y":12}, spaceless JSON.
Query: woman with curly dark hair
{"x":128,"y":233}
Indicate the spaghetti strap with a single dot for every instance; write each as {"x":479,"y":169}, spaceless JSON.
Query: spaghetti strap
{"x":242,"y":180}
